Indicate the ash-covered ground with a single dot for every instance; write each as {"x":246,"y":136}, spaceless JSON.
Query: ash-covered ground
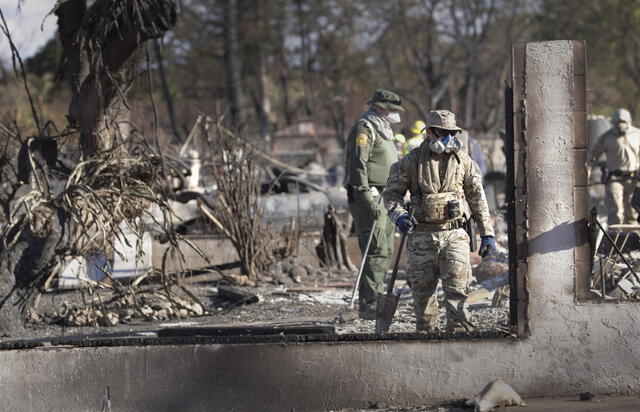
{"x":330,"y":305}
{"x":303,"y":296}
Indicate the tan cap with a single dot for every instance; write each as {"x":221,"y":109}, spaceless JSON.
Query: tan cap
{"x":442,"y":119}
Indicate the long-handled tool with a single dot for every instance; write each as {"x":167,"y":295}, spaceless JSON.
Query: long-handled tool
{"x":388,"y":303}
{"x":364,"y":259}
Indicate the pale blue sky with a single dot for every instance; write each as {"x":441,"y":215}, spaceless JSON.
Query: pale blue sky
{"x":25,"y":26}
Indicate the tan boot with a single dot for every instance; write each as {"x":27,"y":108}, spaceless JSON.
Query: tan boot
{"x":426,"y":311}
{"x":458,"y":317}
{"x":427,"y":324}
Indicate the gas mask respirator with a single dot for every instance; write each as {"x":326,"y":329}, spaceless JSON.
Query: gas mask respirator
{"x":393,"y":117}
{"x":445,"y":144}
{"x":621,"y":128}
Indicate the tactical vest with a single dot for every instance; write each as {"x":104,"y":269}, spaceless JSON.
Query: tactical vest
{"x":438,"y":207}
{"x":383,"y":154}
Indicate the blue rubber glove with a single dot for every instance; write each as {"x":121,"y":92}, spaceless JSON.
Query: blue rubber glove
{"x":406,"y":224}
{"x":488,"y":243}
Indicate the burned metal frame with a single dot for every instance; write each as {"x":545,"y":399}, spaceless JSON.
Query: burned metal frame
{"x":510,"y":197}
{"x":617,"y":249}
{"x":619,"y":253}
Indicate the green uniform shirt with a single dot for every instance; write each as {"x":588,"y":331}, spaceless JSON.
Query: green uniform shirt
{"x":369,"y":157}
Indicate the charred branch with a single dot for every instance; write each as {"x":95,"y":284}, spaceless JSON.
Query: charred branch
{"x":101,"y":49}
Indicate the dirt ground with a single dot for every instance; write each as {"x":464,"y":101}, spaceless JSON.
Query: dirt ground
{"x":565,"y":404}
{"x":319,"y":299}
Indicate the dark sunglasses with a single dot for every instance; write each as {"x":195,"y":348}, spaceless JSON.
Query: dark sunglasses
{"x":443,"y":133}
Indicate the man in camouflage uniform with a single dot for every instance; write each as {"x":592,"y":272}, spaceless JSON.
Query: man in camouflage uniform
{"x":621,"y":145}
{"x":370,"y":153}
{"x":439,"y":177}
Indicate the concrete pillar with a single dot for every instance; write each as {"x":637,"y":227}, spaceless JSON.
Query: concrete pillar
{"x":550,"y":154}
{"x":556,"y":142}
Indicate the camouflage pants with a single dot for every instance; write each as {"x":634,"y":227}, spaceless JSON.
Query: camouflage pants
{"x":380,"y":252}
{"x":619,"y":196}
{"x":438,"y":255}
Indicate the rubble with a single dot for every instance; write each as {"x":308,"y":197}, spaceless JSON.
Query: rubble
{"x":298,"y":273}
{"x":281,"y":287}
{"x":237,"y":295}
{"x":489,"y":269}
{"x":321,"y":299}
{"x":478,"y":295}
{"x":615,"y":269}
{"x":500,"y":297}
{"x":496,"y":282}
{"x":496,"y":394}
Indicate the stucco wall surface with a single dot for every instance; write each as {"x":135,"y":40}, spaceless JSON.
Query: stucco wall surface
{"x":572,"y":348}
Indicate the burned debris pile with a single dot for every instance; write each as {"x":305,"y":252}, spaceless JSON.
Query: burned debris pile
{"x":615,"y":273}
{"x":219,"y":234}
{"x":146,"y":307}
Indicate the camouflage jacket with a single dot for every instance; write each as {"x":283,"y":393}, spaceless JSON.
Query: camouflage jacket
{"x":466,"y":179}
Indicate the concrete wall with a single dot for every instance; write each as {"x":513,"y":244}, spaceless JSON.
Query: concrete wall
{"x":572,"y":346}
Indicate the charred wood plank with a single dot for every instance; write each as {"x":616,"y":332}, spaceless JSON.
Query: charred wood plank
{"x":237,"y":295}
{"x":247,"y":331}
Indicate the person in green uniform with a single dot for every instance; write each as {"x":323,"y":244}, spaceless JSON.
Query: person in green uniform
{"x":370,"y":153}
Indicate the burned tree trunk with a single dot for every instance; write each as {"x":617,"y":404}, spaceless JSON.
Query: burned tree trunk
{"x":101,"y":49}
{"x":27,"y":256}
{"x":232,"y":63}
{"x":332,"y":250}
{"x":168,"y":100}
{"x":263,"y":100}
{"x":101,"y":44}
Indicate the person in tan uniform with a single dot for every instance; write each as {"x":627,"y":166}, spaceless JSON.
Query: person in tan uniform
{"x":621,"y":146}
{"x":439,"y":177}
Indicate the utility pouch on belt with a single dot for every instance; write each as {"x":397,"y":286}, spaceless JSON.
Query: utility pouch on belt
{"x":441,"y":207}
{"x":470,"y":228}
{"x":453,"y":209}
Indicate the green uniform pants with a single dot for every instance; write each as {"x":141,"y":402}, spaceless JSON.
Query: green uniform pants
{"x":380,"y":251}
{"x":438,"y":255}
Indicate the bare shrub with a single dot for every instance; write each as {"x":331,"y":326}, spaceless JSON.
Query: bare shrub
{"x":239,"y":204}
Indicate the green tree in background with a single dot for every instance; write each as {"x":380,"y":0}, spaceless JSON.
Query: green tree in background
{"x":285,"y":61}
{"x":612,"y":31}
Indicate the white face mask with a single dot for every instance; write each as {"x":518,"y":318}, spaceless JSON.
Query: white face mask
{"x":622,"y":127}
{"x":393,"y":117}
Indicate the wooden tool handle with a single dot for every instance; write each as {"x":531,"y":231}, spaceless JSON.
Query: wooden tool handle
{"x":396,"y":264}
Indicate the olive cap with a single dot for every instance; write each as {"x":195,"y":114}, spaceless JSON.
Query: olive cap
{"x":387,"y":100}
